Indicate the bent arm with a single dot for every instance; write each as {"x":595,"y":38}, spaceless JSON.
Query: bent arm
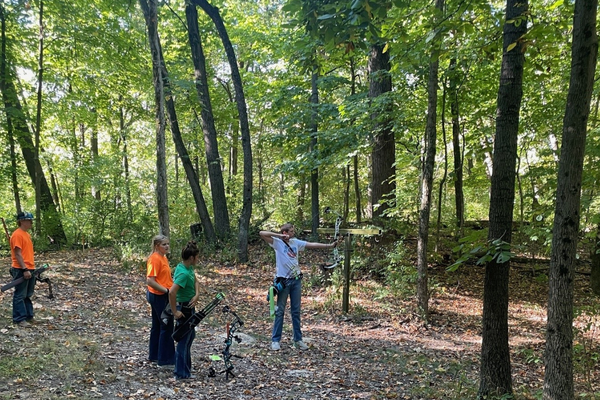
{"x":173,"y":301}
{"x":268,"y":236}
{"x":151,"y":281}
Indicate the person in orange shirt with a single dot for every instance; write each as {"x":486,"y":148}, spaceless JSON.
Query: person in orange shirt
{"x":159,"y":281}
{"x":21,"y":248}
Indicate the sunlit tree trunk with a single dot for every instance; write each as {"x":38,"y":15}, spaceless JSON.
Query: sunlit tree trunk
{"x":558,"y":379}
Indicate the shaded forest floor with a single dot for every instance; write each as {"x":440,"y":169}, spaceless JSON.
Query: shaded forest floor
{"x":90,"y":342}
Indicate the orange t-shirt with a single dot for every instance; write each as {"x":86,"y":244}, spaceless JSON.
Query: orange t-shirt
{"x":21,"y":239}
{"x":158,"y":267}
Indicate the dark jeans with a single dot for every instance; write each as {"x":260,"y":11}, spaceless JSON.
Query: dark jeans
{"x":162,"y":347}
{"x":22,"y":305}
{"x":183,"y":352}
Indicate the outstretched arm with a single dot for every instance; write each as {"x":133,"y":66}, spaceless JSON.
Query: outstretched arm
{"x":314,"y":245}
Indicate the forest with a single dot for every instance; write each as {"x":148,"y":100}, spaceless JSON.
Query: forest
{"x":465,"y":132}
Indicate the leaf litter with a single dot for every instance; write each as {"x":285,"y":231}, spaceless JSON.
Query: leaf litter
{"x":90,"y":342}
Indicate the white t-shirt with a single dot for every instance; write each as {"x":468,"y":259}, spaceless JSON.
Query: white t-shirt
{"x":286,"y":258}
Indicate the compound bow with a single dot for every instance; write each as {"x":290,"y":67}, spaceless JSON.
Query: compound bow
{"x":231,"y":336}
{"x":337,"y":258}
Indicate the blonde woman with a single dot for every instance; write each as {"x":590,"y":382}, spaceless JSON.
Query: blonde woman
{"x":159,"y":281}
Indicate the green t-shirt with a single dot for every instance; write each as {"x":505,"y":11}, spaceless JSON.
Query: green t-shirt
{"x":186,"y":279}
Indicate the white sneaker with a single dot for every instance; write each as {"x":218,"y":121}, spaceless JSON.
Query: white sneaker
{"x":300,"y":345}
{"x":275,"y":346}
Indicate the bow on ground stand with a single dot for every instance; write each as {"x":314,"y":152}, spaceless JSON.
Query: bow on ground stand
{"x":231,"y":336}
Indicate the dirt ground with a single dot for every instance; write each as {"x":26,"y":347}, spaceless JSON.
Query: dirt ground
{"x":90,"y":341}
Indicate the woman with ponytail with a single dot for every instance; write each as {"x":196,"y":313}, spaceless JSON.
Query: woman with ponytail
{"x":183,"y":298}
{"x":159,"y":281}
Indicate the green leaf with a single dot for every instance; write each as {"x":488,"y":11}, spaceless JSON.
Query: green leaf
{"x":556,"y":4}
{"x":325,"y":16}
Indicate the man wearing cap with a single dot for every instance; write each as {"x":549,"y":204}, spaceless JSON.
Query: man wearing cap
{"x":21,"y":248}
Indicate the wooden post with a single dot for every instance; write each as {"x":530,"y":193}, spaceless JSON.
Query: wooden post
{"x":347,"y":254}
{"x":346,"y":292}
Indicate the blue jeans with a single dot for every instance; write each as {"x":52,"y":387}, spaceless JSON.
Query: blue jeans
{"x":162,"y":347}
{"x":293,"y":288}
{"x":183,"y":352}
{"x":22,"y":305}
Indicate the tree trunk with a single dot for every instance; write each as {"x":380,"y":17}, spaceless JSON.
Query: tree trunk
{"x":459,"y":199}
{"x":95,"y":159}
{"x":427,"y":178}
{"x":558,"y":379}
{"x":51,"y":218}
{"x":355,"y":157}
{"x":495,"y":374}
{"x":149,"y":8}
{"x":595,"y":278}
{"x":346,"y":179}
{"x":123,"y":133}
{"x":314,"y":173}
{"x":38,"y":125}
{"x":211,"y":147}
{"x":240,"y":100}
{"x":357,"y":190}
{"x":383,"y":154}
{"x":445,"y":176}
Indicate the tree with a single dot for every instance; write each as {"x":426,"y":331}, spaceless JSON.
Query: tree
{"x":149,"y":8}
{"x":383,"y":153}
{"x":244,"y":221}
{"x":213,"y":160}
{"x":18,"y":125}
{"x":558,"y":360}
{"x":495,"y":374}
{"x":427,"y":175}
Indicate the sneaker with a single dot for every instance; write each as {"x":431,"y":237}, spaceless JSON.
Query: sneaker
{"x":23,"y":324}
{"x":165,"y":366}
{"x":275,"y":346}
{"x":300,"y":345}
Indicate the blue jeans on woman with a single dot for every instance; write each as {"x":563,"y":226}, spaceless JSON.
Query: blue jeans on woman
{"x":293,"y":289}
{"x":183,"y":352}
{"x":161,"y":348}
{"x":22,"y":305}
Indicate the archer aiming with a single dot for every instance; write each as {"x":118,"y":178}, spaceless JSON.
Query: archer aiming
{"x":288,"y":273}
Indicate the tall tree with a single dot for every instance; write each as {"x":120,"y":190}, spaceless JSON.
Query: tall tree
{"x":244,"y":222}
{"x":459,"y":199}
{"x":427,"y":173}
{"x":38,"y":122}
{"x":213,"y":160}
{"x":314,"y":173}
{"x":495,"y":373}
{"x":558,"y":379}
{"x":150,"y":10}
{"x":16,"y":119}
{"x":383,"y":153}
